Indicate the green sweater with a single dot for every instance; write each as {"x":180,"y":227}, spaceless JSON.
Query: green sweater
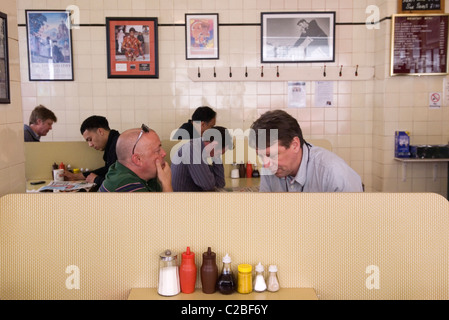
{"x":121,"y":179}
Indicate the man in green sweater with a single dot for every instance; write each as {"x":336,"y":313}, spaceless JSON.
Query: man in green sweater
{"x":140,"y":165}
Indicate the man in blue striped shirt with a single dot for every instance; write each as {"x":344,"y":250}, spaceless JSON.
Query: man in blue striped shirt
{"x":190,"y":167}
{"x":140,"y":165}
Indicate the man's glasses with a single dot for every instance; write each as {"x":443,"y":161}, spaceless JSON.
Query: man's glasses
{"x":144,"y":128}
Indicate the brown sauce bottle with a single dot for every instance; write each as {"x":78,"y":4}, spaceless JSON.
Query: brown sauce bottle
{"x":209,"y":272}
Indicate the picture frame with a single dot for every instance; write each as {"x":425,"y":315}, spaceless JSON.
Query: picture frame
{"x":4,"y":60}
{"x":132,"y":47}
{"x":49,"y":39}
{"x":421,"y":6}
{"x":297,"y":37}
{"x":419,"y":44}
{"x":202,"y":36}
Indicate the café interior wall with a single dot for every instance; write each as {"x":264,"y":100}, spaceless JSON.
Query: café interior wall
{"x":402,"y":103}
{"x":360,"y":127}
{"x":12,"y":158}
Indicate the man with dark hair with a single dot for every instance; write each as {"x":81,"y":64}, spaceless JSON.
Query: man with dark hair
{"x":203,"y":118}
{"x":95,"y":130}
{"x":293,"y":165}
{"x":190,"y":168}
{"x":40,"y":123}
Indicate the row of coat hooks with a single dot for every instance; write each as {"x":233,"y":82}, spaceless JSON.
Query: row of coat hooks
{"x":278,"y":73}
{"x":340,"y":73}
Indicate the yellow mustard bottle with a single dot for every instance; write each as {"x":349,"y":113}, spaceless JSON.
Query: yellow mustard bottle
{"x":244,"y":278}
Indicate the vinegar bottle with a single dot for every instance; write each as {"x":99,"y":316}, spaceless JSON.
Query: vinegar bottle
{"x":226,"y":282}
{"x":187,"y":272}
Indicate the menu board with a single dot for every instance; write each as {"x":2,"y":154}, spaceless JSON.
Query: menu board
{"x":421,"y":6}
{"x":419,"y":44}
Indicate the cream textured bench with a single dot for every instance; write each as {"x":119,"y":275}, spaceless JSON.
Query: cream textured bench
{"x":343,"y":245}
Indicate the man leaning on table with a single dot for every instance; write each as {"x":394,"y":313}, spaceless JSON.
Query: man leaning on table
{"x":293,"y":165}
{"x":190,"y":168}
{"x":40,"y":123}
{"x":140,"y":165}
{"x":95,"y":130}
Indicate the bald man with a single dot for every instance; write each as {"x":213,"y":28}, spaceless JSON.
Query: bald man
{"x":140,"y":165}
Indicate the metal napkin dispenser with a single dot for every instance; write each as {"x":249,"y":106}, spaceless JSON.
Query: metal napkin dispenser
{"x":429,"y":151}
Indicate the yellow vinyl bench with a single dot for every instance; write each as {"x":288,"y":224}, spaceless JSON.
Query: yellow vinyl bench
{"x":343,"y":245}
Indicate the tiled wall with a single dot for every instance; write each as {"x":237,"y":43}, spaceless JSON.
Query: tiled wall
{"x":12,"y":159}
{"x":360,"y":127}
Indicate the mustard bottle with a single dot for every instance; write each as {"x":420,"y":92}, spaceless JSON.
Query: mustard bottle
{"x":244,"y":278}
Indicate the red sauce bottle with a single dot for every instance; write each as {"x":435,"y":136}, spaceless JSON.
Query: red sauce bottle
{"x":187,"y":272}
{"x":249,"y":170}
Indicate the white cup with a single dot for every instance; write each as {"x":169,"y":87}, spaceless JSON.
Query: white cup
{"x":58,"y":174}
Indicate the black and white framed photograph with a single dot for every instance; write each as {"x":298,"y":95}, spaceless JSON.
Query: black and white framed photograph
{"x":49,"y":39}
{"x":4,"y":63}
{"x":297,"y":37}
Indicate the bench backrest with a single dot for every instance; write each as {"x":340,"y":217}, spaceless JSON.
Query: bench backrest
{"x":345,"y":246}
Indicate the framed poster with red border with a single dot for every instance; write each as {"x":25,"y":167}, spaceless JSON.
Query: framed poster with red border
{"x":132,"y":47}
{"x":419,"y":44}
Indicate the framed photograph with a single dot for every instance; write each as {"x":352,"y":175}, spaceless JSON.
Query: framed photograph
{"x":49,"y":38}
{"x":132,"y":47}
{"x":419,"y":44}
{"x":298,"y":37}
{"x":202,"y":36}
{"x":421,"y":6}
{"x":4,"y":63}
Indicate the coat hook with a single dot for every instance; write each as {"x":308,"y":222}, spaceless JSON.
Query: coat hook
{"x":199,"y":73}
{"x":261,"y":73}
{"x":246,"y":71}
{"x":215,"y":74}
{"x":357,"y":70}
{"x":277,"y":71}
{"x":341,"y":70}
{"x":324,"y":72}
{"x":230,"y":72}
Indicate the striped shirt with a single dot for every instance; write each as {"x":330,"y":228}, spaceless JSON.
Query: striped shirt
{"x":121,"y":179}
{"x":191,"y":172}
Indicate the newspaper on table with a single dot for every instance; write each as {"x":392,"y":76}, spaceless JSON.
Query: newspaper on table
{"x":67,"y":186}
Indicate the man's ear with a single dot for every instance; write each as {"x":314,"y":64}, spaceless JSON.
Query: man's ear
{"x":296,"y":144}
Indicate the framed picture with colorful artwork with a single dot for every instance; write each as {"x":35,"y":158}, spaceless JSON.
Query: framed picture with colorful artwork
{"x":49,"y":40}
{"x":132,"y":47}
{"x":201,"y":36}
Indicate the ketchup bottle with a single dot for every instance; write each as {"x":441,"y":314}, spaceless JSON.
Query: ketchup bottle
{"x":187,"y":272}
{"x":249,"y":170}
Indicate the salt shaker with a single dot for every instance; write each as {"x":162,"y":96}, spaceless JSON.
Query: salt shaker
{"x":259,"y":282}
{"x":273,"y":283}
{"x":168,"y":284}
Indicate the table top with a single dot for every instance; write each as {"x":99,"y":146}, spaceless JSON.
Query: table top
{"x":282,"y":294}
{"x":64,"y":186}
{"x":422,"y":159}
{"x":241,"y":185}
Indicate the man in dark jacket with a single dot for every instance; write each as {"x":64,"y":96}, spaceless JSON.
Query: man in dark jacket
{"x":96,"y":132}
